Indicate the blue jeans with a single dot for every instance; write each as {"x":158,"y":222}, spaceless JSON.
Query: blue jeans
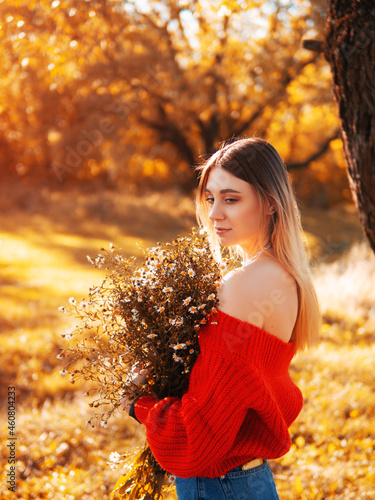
{"x":252,"y":484}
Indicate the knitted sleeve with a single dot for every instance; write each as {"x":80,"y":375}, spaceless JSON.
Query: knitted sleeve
{"x":189,"y":436}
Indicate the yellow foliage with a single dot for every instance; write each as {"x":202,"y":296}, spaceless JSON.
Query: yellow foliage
{"x":126,"y":92}
{"x":300,"y":441}
{"x":298,"y":486}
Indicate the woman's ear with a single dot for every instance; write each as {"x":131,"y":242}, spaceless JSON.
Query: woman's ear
{"x":271,"y":210}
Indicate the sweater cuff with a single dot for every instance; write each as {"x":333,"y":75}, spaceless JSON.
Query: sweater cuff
{"x":142,"y":406}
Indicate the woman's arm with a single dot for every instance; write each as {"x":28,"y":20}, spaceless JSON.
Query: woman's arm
{"x":230,"y":393}
{"x":191,"y":436}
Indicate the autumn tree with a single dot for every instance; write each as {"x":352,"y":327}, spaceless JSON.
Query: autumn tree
{"x":349,"y":47}
{"x":137,"y":89}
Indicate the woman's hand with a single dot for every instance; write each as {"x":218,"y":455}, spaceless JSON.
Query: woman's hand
{"x":139,"y":377}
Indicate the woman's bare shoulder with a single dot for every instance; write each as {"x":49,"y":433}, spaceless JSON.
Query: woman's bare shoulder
{"x":263,"y":294}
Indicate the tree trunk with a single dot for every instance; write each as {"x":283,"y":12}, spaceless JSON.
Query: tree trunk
{"x":349,"y":48}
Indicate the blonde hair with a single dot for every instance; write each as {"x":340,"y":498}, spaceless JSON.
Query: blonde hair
{"x":257,"y":162}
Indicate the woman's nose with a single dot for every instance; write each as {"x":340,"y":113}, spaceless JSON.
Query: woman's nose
{"x":215,"y":213}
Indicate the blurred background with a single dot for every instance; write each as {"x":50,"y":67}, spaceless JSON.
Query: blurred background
{"x":106,"y":107}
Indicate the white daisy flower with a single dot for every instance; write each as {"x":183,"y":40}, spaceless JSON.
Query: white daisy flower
{"x":89,"y":259}
{"x":211,"y":296}
{"x":114,"y":457}
{"x":193,"y":309}
{"x":72,"y":301}
{"x":187,"y":301}
{"x":62,"y":309}
{"x":191,"y":272}
{"x":178,"y":347}
{"x":63,"y":373}
{"x":152,"y":263}
{"x":223,"y":264}
{"x":99,"y":261}
{"x":167,"y":289}
{"x":200,"y":251}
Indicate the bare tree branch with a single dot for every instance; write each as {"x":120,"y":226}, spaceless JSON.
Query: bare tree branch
{"x":314,"y":45}
{"x":287,"y":79}
{"x":323,"y":148}
{"x":170,"y":132}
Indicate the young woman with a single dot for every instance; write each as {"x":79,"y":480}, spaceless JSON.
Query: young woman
{"x":240,"y":401}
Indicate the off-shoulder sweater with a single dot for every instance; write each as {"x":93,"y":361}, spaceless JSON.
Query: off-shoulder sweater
{"x":238,"y":406}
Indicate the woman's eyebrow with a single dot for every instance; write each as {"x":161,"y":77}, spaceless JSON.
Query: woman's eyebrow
{"x":223,"y":191}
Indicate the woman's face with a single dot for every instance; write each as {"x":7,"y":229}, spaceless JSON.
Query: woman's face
{"x":235,"y":210}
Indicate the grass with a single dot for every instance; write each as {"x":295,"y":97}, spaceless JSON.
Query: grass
{"x":44,"y":240}
{"x":333,"y":439}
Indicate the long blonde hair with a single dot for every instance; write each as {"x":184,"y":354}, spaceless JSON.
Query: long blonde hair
{"x":257,"y":162}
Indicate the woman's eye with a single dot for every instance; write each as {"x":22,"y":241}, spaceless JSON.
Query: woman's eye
{"x":211,"y":200}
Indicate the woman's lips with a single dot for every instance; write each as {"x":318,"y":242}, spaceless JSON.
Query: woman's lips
{"x":221,"y":230}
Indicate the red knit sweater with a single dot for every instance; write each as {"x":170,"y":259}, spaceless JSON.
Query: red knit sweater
{"x":239,"y":404}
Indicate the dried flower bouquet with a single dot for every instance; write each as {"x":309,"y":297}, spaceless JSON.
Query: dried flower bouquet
{"x":144,"y":316}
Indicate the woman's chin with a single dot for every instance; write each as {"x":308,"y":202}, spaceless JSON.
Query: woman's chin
{"x":226,"y":242}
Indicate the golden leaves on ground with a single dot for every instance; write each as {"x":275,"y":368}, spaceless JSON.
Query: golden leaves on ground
{"x":58,"y":458}
{"x":333,"y":438}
